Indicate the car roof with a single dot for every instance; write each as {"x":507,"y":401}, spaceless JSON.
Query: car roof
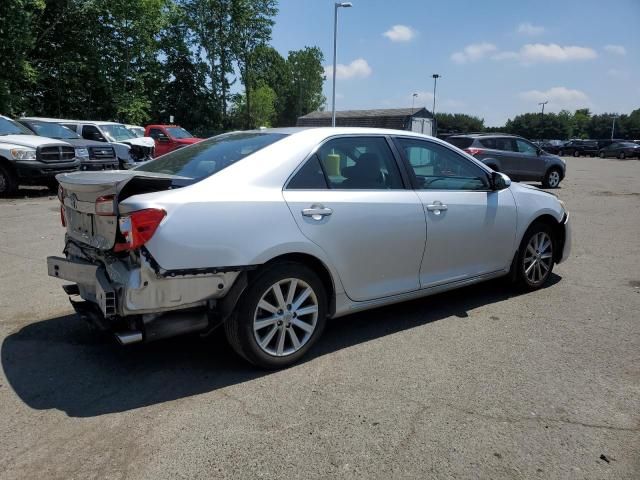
{"x":65,"y":120}
{"x":483,"y":135}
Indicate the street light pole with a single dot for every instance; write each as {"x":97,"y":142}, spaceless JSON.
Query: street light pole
{"x":335,"y":49}
{"x":613,"y":125}
{"x":542,"y":118}
{"x":433,"y":110}
{"x":413,"y":99}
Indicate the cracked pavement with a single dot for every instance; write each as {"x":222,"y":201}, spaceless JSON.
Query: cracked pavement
{"x":482,"y":382}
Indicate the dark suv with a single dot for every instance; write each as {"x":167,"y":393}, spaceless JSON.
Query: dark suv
{"x":516,"y":156}
{"x":578,"y":148}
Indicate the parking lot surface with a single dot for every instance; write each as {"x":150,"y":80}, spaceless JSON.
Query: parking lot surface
{"x":483,"y":382}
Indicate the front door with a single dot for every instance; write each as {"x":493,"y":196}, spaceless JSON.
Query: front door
{"x":349,"y":199}
{"x":531,"y":164}
{"x":470,"y":228}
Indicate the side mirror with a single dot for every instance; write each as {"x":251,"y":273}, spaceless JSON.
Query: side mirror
{"x":163,"y":139}
{"x":499,"y":181}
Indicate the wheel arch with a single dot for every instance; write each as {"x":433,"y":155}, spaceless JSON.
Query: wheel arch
{"x":557,"y":228}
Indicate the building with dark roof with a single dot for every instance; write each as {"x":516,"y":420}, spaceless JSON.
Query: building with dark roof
{"x":417,"y":120}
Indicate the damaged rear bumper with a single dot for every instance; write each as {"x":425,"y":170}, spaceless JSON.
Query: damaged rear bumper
{"x":138,"y":304}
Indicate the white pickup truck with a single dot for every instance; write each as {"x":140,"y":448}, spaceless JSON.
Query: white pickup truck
{"x":29,"y":159}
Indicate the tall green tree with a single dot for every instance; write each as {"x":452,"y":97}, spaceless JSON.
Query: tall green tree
{"x":304,"y":92}
{"x":459,"y":122}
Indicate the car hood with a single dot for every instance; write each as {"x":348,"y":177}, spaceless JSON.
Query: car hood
{"x":32,"y":141}
{"x":188,"y":141}
{"x":81,"y":142}
{"x":140,"y":141}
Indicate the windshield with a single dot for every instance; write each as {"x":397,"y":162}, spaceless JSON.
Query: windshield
{"x":178,"y":132}
{"x":137,"y":131}
{"x":117,"y":133}
{"x":52,"y":130}
{"x":9,"y":127}
{"x":203,"y":159}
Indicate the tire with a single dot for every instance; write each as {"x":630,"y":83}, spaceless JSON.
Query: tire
{"x":8,"y":182}
{"x":560,"y":153}
{"x":493,"y":167}
{"x":621,"y":156}
{"x":601,"y":154}
{"x":576,"y":153}
{"x":272,"y":346}
{"x":531,"y":262}
{"x":52,"y":184}
{"x":552,"y":178}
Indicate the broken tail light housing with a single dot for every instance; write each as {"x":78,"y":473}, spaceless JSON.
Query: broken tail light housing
{"x":138,"y":227}
{"x":473,"y":151}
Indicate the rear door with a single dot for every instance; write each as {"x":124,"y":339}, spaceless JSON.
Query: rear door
{"x":470,"y":228}
{"x":351,"y":200}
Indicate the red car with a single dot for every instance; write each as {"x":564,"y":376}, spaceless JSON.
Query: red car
{"x":169,"y":137}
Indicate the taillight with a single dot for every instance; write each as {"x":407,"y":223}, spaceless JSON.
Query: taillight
{"x":473,"y":151}
{"x":106,"y":205}
{"x":138,"y":227}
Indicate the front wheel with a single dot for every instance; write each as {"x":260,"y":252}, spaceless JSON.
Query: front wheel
{"x":621,"y":156}
{"x":560,"y":153}
{"x":601,"y":154}
{"x":279,"y":317}
{"x":552,"y":178}
{"x":8,"y":182}
{"x":576,"y":153}
{"x":535,"y":257}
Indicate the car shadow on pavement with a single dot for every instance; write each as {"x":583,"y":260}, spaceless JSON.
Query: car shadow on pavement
{"x":60,"y":364}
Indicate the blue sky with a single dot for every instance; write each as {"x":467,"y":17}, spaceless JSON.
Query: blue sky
{"x":497,"y":58}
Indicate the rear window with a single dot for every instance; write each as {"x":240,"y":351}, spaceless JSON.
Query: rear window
{"x":489,"y":143}
{"x":206,"y":158}
{"x":460,"y":142}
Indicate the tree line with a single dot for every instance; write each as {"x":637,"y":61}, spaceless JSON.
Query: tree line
{"x":561,"y":126}
{"x":207,"y":63}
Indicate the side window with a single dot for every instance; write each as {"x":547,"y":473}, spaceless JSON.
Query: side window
{"x":360,"y":163}
{"x":526,"y":147}
{"x":90,"y":132}
{"x":506,"y":144}
{"x":488,"y":143}
{"x":309,"y":177}
{"x":156,"y":133}
{"x":439,"y":168}
{"x":70,"y":126}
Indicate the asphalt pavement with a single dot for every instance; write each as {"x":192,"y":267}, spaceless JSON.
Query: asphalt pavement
{"x":483,"y":382}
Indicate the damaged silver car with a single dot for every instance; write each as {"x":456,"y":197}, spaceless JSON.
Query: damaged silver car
{"x":271,"y":232}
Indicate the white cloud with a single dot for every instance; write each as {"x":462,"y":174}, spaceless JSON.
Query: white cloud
{"x":359,"y":68}
{"x":527,"y":28}
{"x":615,"y":49}
{"x":558,"y":97}
{"x":473,"y":52}
{"x":550,"y":52}
{"x":400,"y":33}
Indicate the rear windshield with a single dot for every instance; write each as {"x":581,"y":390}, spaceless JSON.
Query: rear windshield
{"x":205,"y":158}
{"x":460,"y":142}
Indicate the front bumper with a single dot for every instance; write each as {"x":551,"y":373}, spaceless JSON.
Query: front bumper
{"x":93,"y":165}
{"x":32,"y":170}
{"x":566,"y":250}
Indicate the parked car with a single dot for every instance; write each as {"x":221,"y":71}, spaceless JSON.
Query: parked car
{"x":137,"y":130}
{"x":621,"y":150}
{"x":551,"y":146}
{"x":516,"y":156}
{"x":93,"y":155}
{"x":169,"y":137}
{"x":271,"y":232}
{"x":26,"y":158}
{"x":579,"y":148}
{"x":130,"y":149}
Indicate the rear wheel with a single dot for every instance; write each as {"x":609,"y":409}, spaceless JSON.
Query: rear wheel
{"x":621,"y":156}
{"x":535,"y":257}
{"x":279,"y":317}
{"x":560,"y":153}
{"x":601,"y":154}
{"x":576,"y":153}
{"x":552,"y":178}
{"x":8,"y":182}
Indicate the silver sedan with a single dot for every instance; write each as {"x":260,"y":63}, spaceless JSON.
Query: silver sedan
{"x":271,"y":232}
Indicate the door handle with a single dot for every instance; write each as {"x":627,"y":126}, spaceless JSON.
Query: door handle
{"x":436,"y":207}
{"x":317,"y":212}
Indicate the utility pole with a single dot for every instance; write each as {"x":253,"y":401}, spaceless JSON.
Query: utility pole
{"x":613,"y":125}
{"x":433,"y":110}
{"x":413,"y":99}
{"x":335,"y":51}
{"x":542,"y":119}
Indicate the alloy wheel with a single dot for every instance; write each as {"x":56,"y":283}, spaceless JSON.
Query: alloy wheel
{"x":285,"y":317}
{"x":538,"y":258}
{"x":554,"y":179}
